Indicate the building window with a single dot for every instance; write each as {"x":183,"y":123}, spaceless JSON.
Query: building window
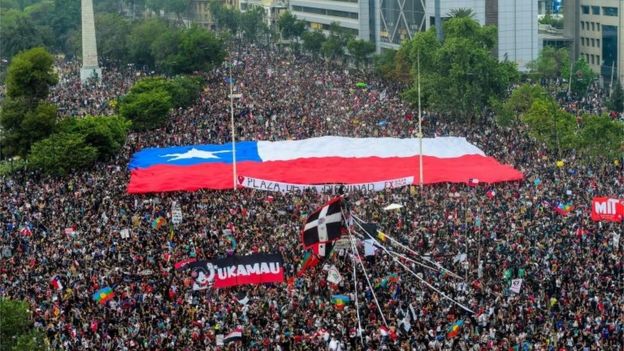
{"x":585,"y":9}
{"x":582,"y":25}
{"x":597,"y":59}
{"x":598,"y":42}
{"x":595,"y":10}
{"x":610,"y":11}
{"x":593,"y":26}
{"x":598,"y":26}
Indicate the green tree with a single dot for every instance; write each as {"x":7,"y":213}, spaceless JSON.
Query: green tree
{"x":24,"y":117}
{"x":252,"y":23}
{"x":361,"y":50}
{"x":16,"y":329}
{"x":290,"y":27}
{"x":14,"y":322}
{"x":106,"y":133}
{"x":461,"y":12}
{"x":460,"y":76}
{"x":19,"y":33}
{"x":184,"y":90}
{"x":313,"y":41}
{"x":582,"y":77}
{"x":518,"y":103}
{"x":30,"y":75}
{"x":112,"y":37}
{"x":202,"y":50}
{"x":616,"y":100}
{"x":225,"y":18}
{"x":550,"y":124}
{"x":141,"y":40}
{"x":146,"y":110}
{"x":61,"y":153}
{"x":166,"y":52}
{"x":601,"y":137}
{"x":551,"y":63}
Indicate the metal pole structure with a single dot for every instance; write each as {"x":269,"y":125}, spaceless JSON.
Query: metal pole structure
{"x":420,"y":134}
{"x":438,"y":20}
{"x":233,"y":131}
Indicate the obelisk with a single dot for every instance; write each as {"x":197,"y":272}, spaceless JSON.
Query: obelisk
{"x":90,"y":68}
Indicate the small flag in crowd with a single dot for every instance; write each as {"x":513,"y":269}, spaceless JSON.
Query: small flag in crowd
{"x":564,"y":208}
{"x":182,"y":264}
{"x":56,"y":283}
{"x":103,"y":295}
{"x":235,"y":335}
{"x":473,"y":182}
{"x":340,"y":301}
{"x":309,"y":260}
{"x":158,"y":222}
{"x":455,"y":328}
{"x":490,"y":194}
{"x":25,"y":231}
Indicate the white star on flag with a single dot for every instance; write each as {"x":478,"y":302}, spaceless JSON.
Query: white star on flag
{"x":194,"y":153}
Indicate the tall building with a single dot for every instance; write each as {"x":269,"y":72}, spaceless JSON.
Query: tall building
{"x":596,"y":27}
{"x":272,"y":8}
{"x":352,"y":15}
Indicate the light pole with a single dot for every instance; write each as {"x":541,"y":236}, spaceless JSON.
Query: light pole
{"x":420,"y":134}
{"x":233,"y":131}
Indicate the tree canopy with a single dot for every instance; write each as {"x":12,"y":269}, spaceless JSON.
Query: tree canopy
{"x":460,"y":76}
{"x":25,"y":116}
{"x":16,"y":328}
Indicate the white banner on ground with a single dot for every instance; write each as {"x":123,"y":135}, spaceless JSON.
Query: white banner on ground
{"x":516,"y":285}
{"x":268,"y":185}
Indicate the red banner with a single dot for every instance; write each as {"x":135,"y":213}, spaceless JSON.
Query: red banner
{"x":607,"y":209}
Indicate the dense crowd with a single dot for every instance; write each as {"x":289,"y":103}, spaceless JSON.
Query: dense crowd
{"x":572,"y":296}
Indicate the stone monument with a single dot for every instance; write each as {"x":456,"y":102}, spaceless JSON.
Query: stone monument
{"x":90,"y":68}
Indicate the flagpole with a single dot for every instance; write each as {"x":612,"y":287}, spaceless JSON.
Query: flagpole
{"x":357,"y":305}
{"x":420,"y":134}
{"x":233,"y":131}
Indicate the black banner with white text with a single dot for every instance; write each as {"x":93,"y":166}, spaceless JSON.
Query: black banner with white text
{"x":238,"y":270}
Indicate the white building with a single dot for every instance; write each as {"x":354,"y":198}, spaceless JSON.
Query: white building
{"x":352,"y":15}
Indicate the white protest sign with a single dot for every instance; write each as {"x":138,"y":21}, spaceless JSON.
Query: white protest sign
{"x":220,"y":340}
{"x":516,"y":285}
{"x":333,"y":276}
{"x":176,"y":213}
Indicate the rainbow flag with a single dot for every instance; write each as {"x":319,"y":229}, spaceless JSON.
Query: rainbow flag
{"x":453,"y":331}
{"x":385,"y":282}
{"x":564,"y":208}
{"x":158,"y":222}
{"x":340,"y":301}
{"x":103,"y":295}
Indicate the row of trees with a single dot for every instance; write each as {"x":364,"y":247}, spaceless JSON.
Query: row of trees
{"x":334,"y":46}
{"x":589,"y":136}
{"x":55,"y":25}
{"x":31,"y":128}
{"x":156,"y":43}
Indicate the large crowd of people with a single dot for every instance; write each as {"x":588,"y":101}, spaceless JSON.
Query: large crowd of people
{"x":73,"y":228}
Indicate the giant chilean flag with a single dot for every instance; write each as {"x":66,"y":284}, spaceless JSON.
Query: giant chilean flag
{"x":323,"y":160}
